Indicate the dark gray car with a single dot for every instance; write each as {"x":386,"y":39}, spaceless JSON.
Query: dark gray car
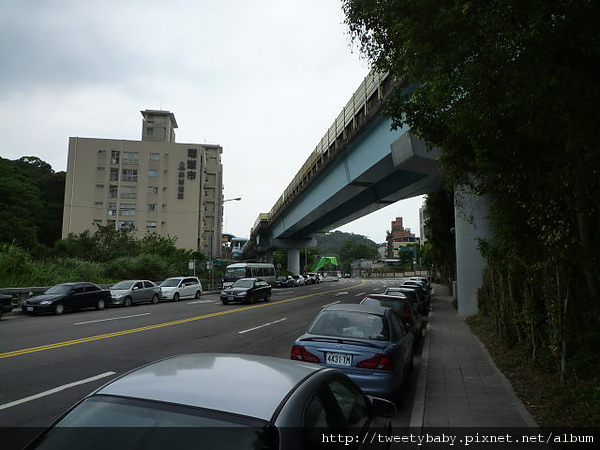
{"x":67,"y":296}
{"x":222,"y":401}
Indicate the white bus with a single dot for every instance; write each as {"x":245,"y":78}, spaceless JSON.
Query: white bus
{"x":234,"y":272}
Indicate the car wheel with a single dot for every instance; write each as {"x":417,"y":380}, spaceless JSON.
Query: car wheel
{"x":59,"y":308}
{"x":225,"y":302}
{"x":155,"y":299}
{"x":268,"y":297}
{"x":176,"y":297}
{"x":198,"y":294}
{"x":127,"y":301}
{"x":101,"y":304}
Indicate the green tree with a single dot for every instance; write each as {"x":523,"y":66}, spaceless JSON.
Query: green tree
{"x":508,"y":91}
{"x":20,"y":206}
{"x":351,"y":252}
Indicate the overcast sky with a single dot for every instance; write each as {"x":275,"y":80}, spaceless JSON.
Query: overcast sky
{"x":263,"y":78}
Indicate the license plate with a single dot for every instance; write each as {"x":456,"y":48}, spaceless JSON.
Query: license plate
{"x":230,"y":298}
{"x":30,"y":309}
{"x":339,"y":359}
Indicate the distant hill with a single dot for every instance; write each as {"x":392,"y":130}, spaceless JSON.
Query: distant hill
{"x":329,"y":244}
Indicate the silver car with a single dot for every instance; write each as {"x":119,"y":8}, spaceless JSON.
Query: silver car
{"x":224,"y":401}
{"x":128,"y":292}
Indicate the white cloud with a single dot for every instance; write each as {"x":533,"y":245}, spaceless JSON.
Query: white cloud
{"x":264,"y":79}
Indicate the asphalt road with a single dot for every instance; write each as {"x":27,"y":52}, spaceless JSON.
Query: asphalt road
{"x":48,"y":363}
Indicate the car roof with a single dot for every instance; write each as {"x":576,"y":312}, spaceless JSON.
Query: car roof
{"x":250,"y":385}
{"x":354,"y":307}
{"x":386,"y":297}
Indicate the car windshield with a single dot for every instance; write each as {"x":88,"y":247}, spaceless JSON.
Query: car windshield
{"x":243,"y":284}
{"x":122,"y":285}
{"x":58,"y":289}
{"x":351,"y":324}
{"x":150,"y":425}
{"x":171,"y":282}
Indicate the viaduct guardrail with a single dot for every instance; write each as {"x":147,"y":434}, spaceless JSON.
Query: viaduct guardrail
{"x":364,"y":104}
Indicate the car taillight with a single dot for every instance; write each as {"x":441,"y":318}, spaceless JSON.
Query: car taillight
{"x":299,"y":353}
{"x":377,"y":362}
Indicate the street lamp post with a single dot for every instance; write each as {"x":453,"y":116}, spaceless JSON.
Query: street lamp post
{"x":212,"y":238}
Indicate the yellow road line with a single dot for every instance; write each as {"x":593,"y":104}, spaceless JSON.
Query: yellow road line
{"x":99,"y":337}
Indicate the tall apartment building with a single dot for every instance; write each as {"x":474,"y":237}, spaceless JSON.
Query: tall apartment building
{"x":152,"y":185}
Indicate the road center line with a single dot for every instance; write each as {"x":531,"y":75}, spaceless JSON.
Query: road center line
{"x":41,"y":348}
{"x":113,"y":318}
{"x":55,"y":390}
{"x":262,"y":326}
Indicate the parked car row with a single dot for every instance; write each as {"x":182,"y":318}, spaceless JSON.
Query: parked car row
{"x":297,"y":280}
{"x":373,"y":342}
{"x":80,"y":295}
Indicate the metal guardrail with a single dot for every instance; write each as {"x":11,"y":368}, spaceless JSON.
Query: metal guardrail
{"x":349,"y":120}
{"x":22,"y":293}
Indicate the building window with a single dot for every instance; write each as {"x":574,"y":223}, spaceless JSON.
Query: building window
{"x":154,"y":156}
{"x":112,"y":191}
{"x":100,"y":169}
{"x":129,"y":175}
{"x":111,"y":223}
{"x":97,"y":221}
{"x":151,"y":224}
{"x":127,"y":209}
{"x":112,"y":209}
{"x":131,"y":158}
{"x":152,"y":207}
{"x":100,"y":185}
{"x":152,"y":190}
{"x":114,"y":156}
{"x":98,"y":203}
{"x":128,"y":192}
{"x":153,"y":173}
{"x":114,"y":174}
{"x":126,"y":224}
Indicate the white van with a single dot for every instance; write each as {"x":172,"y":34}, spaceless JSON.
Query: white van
{"x":181,"y":287}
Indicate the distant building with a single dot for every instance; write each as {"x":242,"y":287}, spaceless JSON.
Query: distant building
{"x":399,"y":236}
{"x":152,"y":185}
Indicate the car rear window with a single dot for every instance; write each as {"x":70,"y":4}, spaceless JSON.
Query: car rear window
{"x":351,"y":324}
{"x":150,"y":425}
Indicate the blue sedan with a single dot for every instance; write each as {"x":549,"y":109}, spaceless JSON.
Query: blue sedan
{"x":368,"y":343}
{"x":224,"y":401}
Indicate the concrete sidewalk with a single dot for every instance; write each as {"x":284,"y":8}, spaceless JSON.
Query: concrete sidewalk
{"x":459,"y":384}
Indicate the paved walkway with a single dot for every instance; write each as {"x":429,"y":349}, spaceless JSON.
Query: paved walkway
{"x":459,"y":385}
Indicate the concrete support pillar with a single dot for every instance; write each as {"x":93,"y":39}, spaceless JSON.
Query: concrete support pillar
{"x":472,"y":224}
{"x":293,"y":260}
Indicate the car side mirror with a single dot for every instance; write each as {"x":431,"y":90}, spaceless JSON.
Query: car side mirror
{"x":382,"y":407}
